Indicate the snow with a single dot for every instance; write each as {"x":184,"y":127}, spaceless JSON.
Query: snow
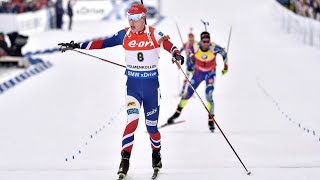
{"x":47,"y":119}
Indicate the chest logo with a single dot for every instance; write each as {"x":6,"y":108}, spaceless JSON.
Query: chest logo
{"x":203,"y":56}
{"x":134,"y":44}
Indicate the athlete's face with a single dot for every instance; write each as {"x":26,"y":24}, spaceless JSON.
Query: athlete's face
{"x":205,"y":43}
{"x":191,"y":40}
{"x":137,"y":26}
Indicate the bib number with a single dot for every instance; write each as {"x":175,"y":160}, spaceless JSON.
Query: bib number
{"x":140,"y":56}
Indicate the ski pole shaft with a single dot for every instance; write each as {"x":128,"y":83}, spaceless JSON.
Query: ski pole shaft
{"x":179,"y":32}
{"x":105,"y":60}
{"x":229,"y":38}
{"x":211,"y":116}
{"x":180,"y":36}
{"x":146,"y":18}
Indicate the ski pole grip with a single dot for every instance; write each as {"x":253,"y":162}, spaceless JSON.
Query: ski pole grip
{"x":174,"y":60}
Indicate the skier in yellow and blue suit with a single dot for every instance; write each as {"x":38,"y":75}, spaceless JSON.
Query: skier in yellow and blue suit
{"x":205,"y":64}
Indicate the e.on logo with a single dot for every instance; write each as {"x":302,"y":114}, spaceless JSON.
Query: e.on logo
{"x":134,"y":43}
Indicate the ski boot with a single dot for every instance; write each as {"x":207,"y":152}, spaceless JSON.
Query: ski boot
{"x":156,"y":163}
{"x":174,"y":116}
{"x":211,"y":123}
{"x":124,"y":165}
{"x":156,"y":159}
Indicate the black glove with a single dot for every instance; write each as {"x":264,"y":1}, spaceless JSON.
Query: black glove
{"x":68,"y":46}
{"x":178,"y":57}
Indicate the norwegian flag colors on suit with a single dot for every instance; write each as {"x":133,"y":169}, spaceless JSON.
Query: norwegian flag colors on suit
{"x":142,"y":55}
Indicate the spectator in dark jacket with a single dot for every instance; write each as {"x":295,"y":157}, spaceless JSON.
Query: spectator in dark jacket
{"x":4,"y":7}
{"x":284,"y":3}
{"x":59,"y":14}
{"x":2,"y":10}
{"x":70,"y":12}
{"x":316,"y":6}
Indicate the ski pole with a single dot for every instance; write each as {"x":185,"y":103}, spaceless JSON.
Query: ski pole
{"x":211,"y":116}
{"x":146,"y":18}
{"x":179,"y":32}
{"x":230,"y":31}
{"x":99,"y":58}
{"x":180,"y":36}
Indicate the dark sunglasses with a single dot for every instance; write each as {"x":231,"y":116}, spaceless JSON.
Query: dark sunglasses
{"x":206,"y":41}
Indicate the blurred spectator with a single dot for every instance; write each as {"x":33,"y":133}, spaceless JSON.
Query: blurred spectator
{"x":70,"y":12}
{"x":307,"y":8}
{"x":292,"y":6}
{"x":316,"y":7}
{"x":21,"y":6}
{"x":59,"y":14}
{"x":40,"y":4}
{"x":30,"y":7}
{"x":51,"y":14}
{"x":2,"y":10}
{"x":4,"y":7}
{"x":284,"y":3}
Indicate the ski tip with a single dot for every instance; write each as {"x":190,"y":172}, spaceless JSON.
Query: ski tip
{"x":175,"y":122}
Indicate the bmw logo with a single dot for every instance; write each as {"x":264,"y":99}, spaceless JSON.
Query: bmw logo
{"x":204,"y":56}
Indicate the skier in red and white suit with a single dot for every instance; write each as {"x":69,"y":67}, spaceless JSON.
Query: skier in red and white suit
{"x":142,"y":45}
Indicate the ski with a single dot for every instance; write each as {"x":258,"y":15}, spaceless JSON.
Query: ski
{"x":155,"y":173}
{"x":121,"y":176}
{"x":175,"y":122}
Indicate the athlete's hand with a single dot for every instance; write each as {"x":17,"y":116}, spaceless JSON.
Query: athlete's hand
{"x":178,"y":57}
{"x":225,"y":70}
{"x":68,"y":46}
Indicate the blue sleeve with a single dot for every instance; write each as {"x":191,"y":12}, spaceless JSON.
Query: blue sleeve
{"x":220,"y":50}
{"x":116,"y":39}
